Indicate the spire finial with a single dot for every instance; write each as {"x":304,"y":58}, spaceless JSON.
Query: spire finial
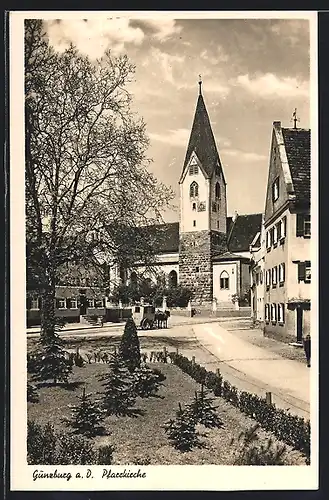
{"x":294,"y":118}
{"x":200,"y":85}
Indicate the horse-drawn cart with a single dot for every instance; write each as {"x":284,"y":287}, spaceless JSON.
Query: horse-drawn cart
{"x":144,"y":316}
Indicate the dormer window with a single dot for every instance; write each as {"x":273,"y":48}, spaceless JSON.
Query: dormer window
{"x":194,"y":169}
{"x":194,"y":190}
{"x":217,"y":191}
{"x":275,"y":189}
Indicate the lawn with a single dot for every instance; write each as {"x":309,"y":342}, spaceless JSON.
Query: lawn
{"x":142,"y":439}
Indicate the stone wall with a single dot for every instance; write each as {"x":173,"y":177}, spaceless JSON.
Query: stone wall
{"x":196,"y":250}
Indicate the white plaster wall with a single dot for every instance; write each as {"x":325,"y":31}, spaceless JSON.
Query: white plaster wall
{"x":231,"y":267}
{"x":187,"y":214}
{"x":299,"y":249}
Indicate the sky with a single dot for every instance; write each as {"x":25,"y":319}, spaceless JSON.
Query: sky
{"x":254,"y":72}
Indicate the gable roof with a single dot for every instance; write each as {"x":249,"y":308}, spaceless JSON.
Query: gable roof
{"x":202,"y":141}
{"x":242,"y":232}
{"x":229,"y":256}
{"x":298,"y":150}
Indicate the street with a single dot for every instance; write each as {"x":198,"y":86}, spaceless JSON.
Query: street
{"x":241,"y":362}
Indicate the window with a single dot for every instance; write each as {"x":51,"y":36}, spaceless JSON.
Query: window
{"x":303,"y":225}
{"x":194,"y":190}
{"x":133,"y":278}
{"x":217,"y":190}
{"x":268,"y":240}
{"x":275,"y":235}
{"x":218,"y":224}
{"x":275,"y":190}
{"x":281,"y":273}
{"x":278,"y":230}
{"x":137,"y":309}
{"x":261,"y":277}
{"x":194,"y":206}
{"x":268,"y":278}
{"x":90,"y":302}
{"x":73,"y":304}
{"x":274,"y":276}
{"x":283,"y":227}
{"x":35,"y":303}
{"x":194,"y":223}
{"x":61,"y":304}
{"x":304,"y":271}
{"x":273,"y":313}
{"x":194,"y":169}
{"x":224,"y":281}
{"x":214,"y":206}
{"x":281,"y":314}
{"x":267,"y":312}
{"x":197,"y":269}
{"x":98,"y":303}
{"x":172,"y":279}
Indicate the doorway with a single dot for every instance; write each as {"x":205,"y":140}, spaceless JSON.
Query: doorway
{"x":299,"y":325}
{"x":83,"y":303}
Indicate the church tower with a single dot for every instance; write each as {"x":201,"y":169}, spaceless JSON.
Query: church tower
{"x":203,"y":208}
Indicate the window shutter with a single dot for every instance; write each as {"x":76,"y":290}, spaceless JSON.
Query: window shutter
{"x":68,"y":303}
{"x":57,"y":303}
{"x":28,"y":303}
{"x":283,"y":272}
{"x":283,"y":313}
{"x":299,"y":224}
{"x":301,"y":271}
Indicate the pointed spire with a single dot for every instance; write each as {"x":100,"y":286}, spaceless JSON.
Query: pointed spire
{"x":202,"y":140}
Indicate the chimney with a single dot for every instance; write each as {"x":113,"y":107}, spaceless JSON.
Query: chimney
{"x":235,"y":216}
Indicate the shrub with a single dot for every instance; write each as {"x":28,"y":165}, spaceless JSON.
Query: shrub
{"x":47,"y":447}
{"x":87,"y":416}
{"x":32,"y":394}
{"x":182,"y":430}
{"x":129,"y":348}
{"x":203,"y":410}
{"x":75,"y":450}
{"x":253,"y":452}
{"x":291,"y":429}
{"x":147,"y":382}
{"x":105,"y":455}
{"x":119,"y":395}
{"x":32,"y":363}
{"x":41,"y":444}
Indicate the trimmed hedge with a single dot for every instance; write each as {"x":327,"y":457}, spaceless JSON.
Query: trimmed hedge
{"x":291,"y":429}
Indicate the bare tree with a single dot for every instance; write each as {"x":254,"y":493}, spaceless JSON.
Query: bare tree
{"x":87,"y":182}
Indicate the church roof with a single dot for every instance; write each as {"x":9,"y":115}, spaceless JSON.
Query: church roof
{"x":242,"y":231}
{"x":298,"y":150}
{"x":202,"y":141}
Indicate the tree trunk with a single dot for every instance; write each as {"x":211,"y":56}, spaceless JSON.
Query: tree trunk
{"x":48,"y":318}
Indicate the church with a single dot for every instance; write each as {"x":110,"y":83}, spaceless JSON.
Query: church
{"x":206,"y":251}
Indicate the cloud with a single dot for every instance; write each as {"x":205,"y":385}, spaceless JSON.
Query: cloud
{"x":93,"y":36}
{"x":215,"y":57}
{"x":291,"y":30}
{"x":161,"y":29}
{"x":167,"y":62}
{"x":269,"y":85}
{"x":178,"y":137}
{"x":243,"y":155}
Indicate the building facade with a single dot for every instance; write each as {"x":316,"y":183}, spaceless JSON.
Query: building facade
{"x":287,"y":226}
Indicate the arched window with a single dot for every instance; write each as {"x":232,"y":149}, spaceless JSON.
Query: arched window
{"x":194,"y":190}
{"x":133,"y":278}
{"x":217,"y":190}
{"x":224,"y":281}
{"x":172,"y":279}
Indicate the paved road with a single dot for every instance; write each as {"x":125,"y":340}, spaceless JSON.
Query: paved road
{"x":244,"y":364}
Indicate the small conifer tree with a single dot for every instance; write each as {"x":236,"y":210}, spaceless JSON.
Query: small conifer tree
{"x":129,"y":348}
{"x":147,"y":381}
{"x":32,"y":393}
{"x":182,"y":430}
{"x":87,"y":416}
{"x":203,"y":409}
{"x":118,"y":395}
{"x":52,"y":363}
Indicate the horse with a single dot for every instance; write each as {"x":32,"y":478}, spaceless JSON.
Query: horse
{"x":161,"y":318}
